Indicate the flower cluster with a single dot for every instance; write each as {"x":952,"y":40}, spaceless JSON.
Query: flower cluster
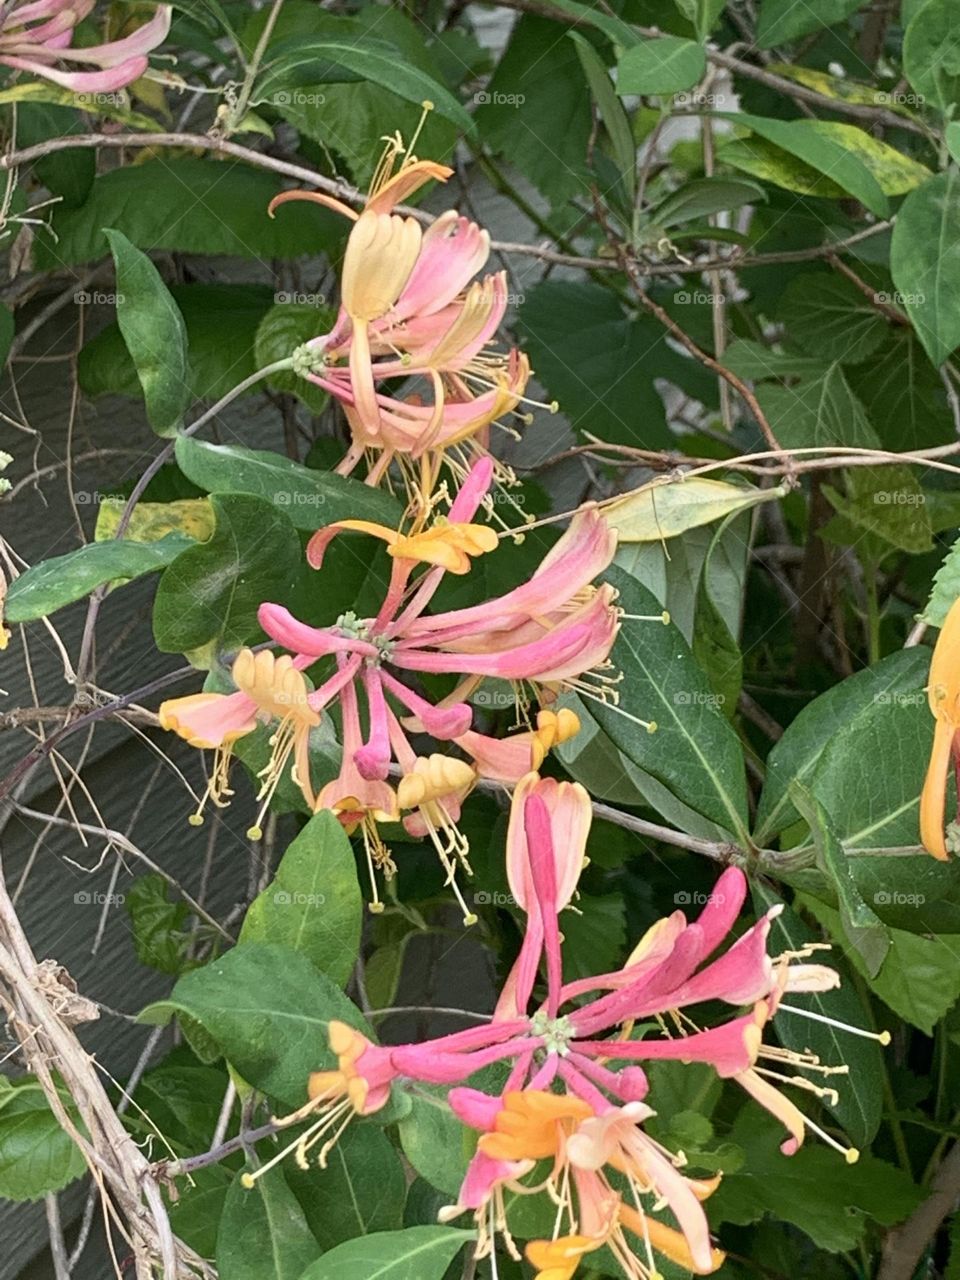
{"x":575,"y":1094}
{"x":412,"y":310}
{"x":550,"y":634}
{"x":37,"y":35}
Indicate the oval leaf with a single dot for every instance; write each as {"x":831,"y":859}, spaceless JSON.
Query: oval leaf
{"x":311,"y":499}
{"x":666,"y":508}
{"x":313,"y":904}
{"x":419,"y":1253}
{"x":154,"y":332}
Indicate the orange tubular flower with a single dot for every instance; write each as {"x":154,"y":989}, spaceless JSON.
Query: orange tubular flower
{"x":943,"y":695}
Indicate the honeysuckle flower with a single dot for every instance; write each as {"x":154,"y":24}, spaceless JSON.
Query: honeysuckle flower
{"x":943,"y":695}
{"x":412,"y":309}
{"x":552,"y":633}
{"x":37,"y":35}
{"x":576,"y":1095}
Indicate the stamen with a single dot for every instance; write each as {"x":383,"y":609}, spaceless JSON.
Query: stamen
{"x":850,"y":1154}
{"x":883,"y":1037}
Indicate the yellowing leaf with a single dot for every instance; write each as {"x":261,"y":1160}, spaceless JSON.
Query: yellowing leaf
{"x":666,"y":508}
{"x":151,"y":521}
{"x":895,"y":172}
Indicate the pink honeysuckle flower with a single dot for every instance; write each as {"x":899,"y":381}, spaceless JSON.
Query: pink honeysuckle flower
{"x":576,"y":1094}
{"x":554,"y":634}
{"x":412,"y":309}
{"x":36,"y":36}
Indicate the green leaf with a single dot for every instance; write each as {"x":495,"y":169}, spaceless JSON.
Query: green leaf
{"x":188,"y":205}
{"x":157,"y":924}
{"x":814,"y":1190}
{"x":817,"y":411}
{"x":837,"y":158}
{"x":221,"y":321}
{"x":42,"y":91}
{"x":887,"y":501}
{"x":154,"y":333}
{"x":286,"y":326}
{"x":797,"y":753}
{"x":757,"y":362}
{"x":919,"y":979}
{"x":313,"y":904}
{"x":931,"y":53}
{"x":829,"y":317}
{"x":925,"y":262}
{"x":859,"y":1108}
{"x":267,"y":1008}
{"x":663,"y":65}
{"x":861,"y":925}
{"x":703,"y":15}
{"x":946,"y":588}
{"x":902,"y":394}
{"x":49,"y":585}
{"x":435,"y":1142}
{"x":263,"y":1232}
{"x":599,"y":363}
{"x":311,"y":499}
{"x":715,"y":649}
{"x":535,"y":111}
{"x":211,"y":592}
{"x":359,"y":58}
{"x":36,"y":1155}
{"x":362,"y":1189}
{"x":611,"y":112}
{"x":871,"y":773}
{"x":418,"y":1253}
{"x":702,"y":197}
{"x":694,"y":751}
{"x":781,"y":21}
{"x":348,"y":117}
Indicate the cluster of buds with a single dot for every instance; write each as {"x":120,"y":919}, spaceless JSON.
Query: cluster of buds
{"x":551,"y":634}
{"x":576,"y":1094}
{"x":37,"y":36}
{"x":412,"y":309}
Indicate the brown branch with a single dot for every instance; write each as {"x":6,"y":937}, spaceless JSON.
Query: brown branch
{"x":343,"y":191}
{"x":633,"y":272}
{"x":906,"y":1244}
{"x":780,"y":84}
